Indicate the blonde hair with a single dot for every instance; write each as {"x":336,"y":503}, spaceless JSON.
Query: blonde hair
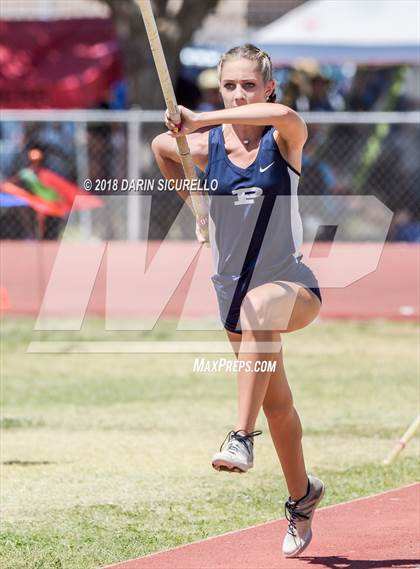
{"x":252,"y":53}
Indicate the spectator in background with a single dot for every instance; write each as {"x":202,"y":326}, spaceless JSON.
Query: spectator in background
{"x":119,"y":95}
{"x":24,"y":222}
{"x":367,"y":87}
{"x":52,"y":226}
{"x":309,"y":89}
{"x":295,"y":92}
{"x":320,"y":89}
{"x":318,"y":93}
{"x":118,"y":102}
{"x":319,"y":97}
{"x":208,"y":83}
{"x":404,"y":227}
{"x":56,"y":142}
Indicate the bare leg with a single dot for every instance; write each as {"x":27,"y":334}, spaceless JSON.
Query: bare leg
{"x":286,"y":431}
{"x":271,"y":389}
{"x":252,"y":385}
{"x":283,"y":421}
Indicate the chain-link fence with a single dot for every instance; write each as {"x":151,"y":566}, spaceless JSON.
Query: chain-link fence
{"x":355,"y":154}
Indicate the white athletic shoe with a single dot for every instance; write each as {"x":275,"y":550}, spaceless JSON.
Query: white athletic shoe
{"x":238,"y":456}
{"x":299,"y":515}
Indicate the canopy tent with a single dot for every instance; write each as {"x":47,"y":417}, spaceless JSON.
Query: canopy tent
{"x":59,"y":64}
{"x":372,"y":32}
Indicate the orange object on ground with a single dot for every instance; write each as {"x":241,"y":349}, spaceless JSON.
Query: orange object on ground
{"x":5,"y":303}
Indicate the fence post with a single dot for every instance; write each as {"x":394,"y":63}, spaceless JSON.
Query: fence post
{"x":82,"y":163}
{"x":133,"y":168}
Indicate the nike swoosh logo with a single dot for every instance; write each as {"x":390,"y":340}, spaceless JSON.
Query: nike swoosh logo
{"x":266,"y":168}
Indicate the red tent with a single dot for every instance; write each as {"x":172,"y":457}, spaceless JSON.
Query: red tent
{"x":58,"y":64}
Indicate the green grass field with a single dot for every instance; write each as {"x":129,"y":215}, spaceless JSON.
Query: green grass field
{"x":106,"y":457}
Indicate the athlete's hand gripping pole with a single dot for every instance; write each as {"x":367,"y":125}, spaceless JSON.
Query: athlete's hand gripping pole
{"x":199,"y":199}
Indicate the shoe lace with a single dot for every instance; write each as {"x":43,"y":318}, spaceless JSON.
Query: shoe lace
{"x":293,"y":516}
{"x":240,"y":438}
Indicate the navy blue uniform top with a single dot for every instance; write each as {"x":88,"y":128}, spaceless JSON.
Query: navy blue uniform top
{"x":255,"y":228}
{"x":254,"y":221}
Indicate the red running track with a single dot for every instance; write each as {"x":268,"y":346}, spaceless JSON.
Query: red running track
{"x":377,"y":532}
{"x":79,"y":276}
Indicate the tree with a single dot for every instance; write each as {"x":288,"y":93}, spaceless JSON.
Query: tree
{"x":175,"y":30}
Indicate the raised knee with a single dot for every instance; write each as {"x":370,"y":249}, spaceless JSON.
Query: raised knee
{"x":253,"y":312}
{"x":256,"y":311}
{"x":261,"y":313}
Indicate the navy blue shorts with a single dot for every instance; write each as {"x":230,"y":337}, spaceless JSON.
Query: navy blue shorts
{"x":231,"y":292}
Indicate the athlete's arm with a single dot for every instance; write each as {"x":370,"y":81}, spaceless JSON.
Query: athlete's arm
{"x":165,"y":150}
{"x":286,"y":121}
